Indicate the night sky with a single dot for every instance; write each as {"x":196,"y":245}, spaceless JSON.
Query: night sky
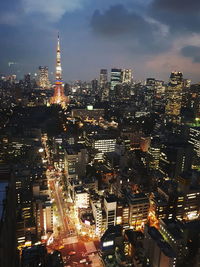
{"x":151,"y":37}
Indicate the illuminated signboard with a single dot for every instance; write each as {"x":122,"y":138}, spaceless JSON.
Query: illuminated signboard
{"x":108,"y":243}
{"x":87,"y":222}
{"x":89,"y":107}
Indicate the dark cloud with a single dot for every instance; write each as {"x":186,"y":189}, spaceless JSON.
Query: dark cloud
{"x":10,"y":12}
{"x":178,"y":6}
{"x":180,"y":15}
{"x":119,"y":24}
{"x":192,"y":52}
{"x":118,"y":21}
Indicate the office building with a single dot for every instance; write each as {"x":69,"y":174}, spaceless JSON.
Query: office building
{"x":175,"y":158}
{"x":139,"y":209}
{"x":154,"y":152}
{"x":111,"y":239}
{"x":158,"y":251}
{"x":174,"y":97}
{"x":7,"y":218}
{"x":103,"y":78}
{"x":110,"y":205}
{"x":116,"y":78}
{"x":174,"y":233}
{"x":95,"y":86}
{"x":34,"y":256}
{"x":44,"y":77}
{"x":123,"y":213}
{"x":81,"y":197}
{"x":189,"y":190}
{"x":103,"y":144}
{"x":192,"y":99}
{"x":44,"y":216}
{"x":97,"y":210}
{"x":76,"y":158}
{"x":194,"y":139}
{"x":127,"y":76}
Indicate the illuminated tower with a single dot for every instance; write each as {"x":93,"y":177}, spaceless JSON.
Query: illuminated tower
{"x":59,"y":95}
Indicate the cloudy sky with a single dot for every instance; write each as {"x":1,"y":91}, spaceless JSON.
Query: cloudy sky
{"x":153,"y":37}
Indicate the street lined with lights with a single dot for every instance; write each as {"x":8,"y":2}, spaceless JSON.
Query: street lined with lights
{"x":77,"y":248}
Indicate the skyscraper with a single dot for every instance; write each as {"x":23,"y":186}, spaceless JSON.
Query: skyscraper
{"x":116,"y":78}
{"x":174,"y":97}
{"x":103,"y":78}
{"x":94,"y":84}
{"x":44,"y":77}
{"x":127,"y":76}
{"x":59,"y":95}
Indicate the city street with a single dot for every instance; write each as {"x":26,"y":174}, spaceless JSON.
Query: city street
{"x":67,"y":240}
{"x":76,"y":249}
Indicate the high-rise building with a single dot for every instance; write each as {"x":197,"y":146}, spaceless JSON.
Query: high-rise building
{"x":188,"y":187}
{"x":81,"y":197}
{"x":139,"y":209}
{"x":116,"y":78}
{"x":127,"y":76}
{"x":103,"y":144}
{"x":154,"y":152}
{"x":44,"y":77}
{"x":105,"y":92}
{"x":75,"y":161}
{"x":178,"y":199}
{"x":123,"y":212}
{"x":103,"y":78}
{"x":27,"y":85}
{"x":175,"y":158}
{"x":44,"y":216}
{"x":193,"y":98}
{"x":94,"y":84}
{"x":59,"y":95}
{"x":110,"y":204}
{"x":174,"y":233}
{"x":186,"y":93}
{"x":98,"y":212}
{"x":7,"y":218}
{"x":194,"y":139}
{"x":27,"y":79}
{"x":158,"y":251}
{"x":174,"y":97}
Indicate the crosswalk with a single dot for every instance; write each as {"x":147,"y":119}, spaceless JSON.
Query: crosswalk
{"x":93,"y":257}
{"x":70,"y":240}
{"x":90,"y":247}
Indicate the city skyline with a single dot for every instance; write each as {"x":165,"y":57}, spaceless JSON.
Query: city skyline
{"x":100,"y":133}
{"x":141,"y":38}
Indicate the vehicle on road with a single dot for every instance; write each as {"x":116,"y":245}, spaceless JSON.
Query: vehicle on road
{"x":88,"y":262}
{"x":83,"y":261}
{"x":72,"y":252}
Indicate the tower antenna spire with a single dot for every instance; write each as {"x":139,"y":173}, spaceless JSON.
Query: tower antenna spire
{"x":59,"y":95}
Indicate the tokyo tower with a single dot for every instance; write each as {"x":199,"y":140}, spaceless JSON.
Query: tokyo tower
{"x":59,"y":96}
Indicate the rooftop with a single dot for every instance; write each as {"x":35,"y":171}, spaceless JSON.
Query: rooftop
{"x":163,"y":245}
{"x":111,"y":198}
{"x":79,"y":189}
{"x":175,"y":227}
{"x":74,"y":149}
